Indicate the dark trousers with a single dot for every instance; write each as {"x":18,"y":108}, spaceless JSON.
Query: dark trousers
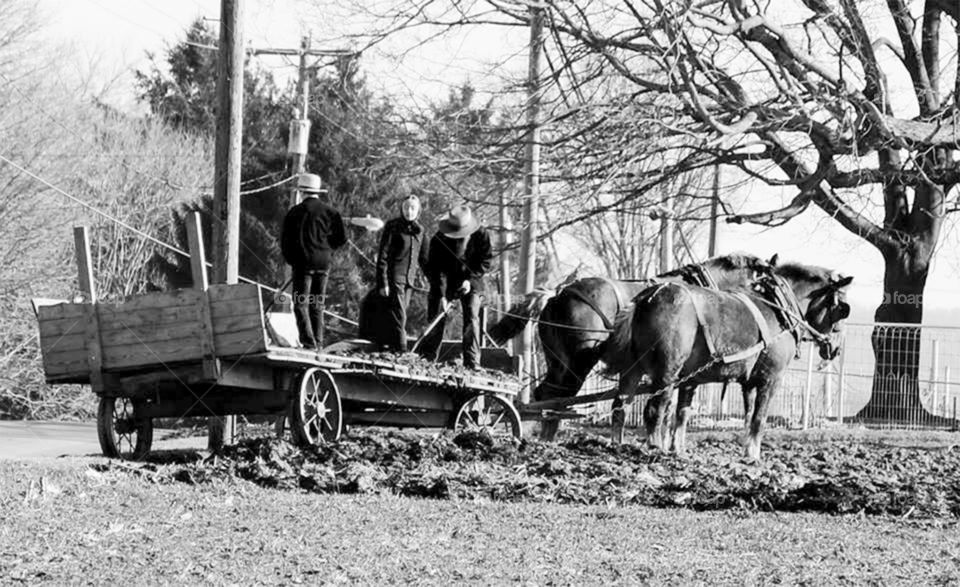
{"x":395,"y":328}
{"x":470,"y":304}
{"x":309,"y":296}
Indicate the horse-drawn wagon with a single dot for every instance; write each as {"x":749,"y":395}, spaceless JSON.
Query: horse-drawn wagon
{"x":214,"y":351}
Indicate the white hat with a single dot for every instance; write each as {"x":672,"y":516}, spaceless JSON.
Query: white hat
{"x":309,"y":183}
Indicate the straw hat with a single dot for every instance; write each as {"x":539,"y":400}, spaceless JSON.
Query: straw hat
{"x":309,"y":183}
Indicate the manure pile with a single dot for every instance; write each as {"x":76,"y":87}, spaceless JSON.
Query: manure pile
{"x":830,"y":476}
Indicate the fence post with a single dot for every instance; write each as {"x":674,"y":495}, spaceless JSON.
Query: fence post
{"x":842,"y":385}
{"x":946,"y":387}
{"x":805,"y":409}
{"x":934,"y":371}
{"x":827,"y":391}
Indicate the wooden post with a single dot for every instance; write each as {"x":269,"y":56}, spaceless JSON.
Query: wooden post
{"x":946,"y":387}
{"x":226,"y":181}
{"x":198,"y":258}
{"x":841,"y":387}
{"x":198,"y":268}
{"x":805,"y":413}
{"x":88,"y":286}
{"x":827,"y":392}
{"x":505,"y":227}
{"x":81,"y":241}
{"x":934,"y":372}
{"x":531,"y":184}
{"x":666,"y":237}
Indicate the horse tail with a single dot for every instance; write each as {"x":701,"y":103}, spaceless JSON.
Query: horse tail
{"x":515,"y":319}
{"x":615,"y":352}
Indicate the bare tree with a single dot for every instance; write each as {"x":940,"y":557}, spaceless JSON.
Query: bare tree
{"x":800,"y":94}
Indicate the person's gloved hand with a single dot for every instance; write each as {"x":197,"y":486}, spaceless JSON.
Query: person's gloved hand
{"x":384,"y":291}
{"x":464,"y":288}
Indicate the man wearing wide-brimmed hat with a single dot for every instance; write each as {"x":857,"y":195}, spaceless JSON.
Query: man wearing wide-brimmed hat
{"x":312,"y":230}
{"x":458,"y":258}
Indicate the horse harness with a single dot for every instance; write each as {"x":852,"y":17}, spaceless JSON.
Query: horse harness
{"x":592,"y":303}
{"x":695,"y":274}
{"x":786,"y":308}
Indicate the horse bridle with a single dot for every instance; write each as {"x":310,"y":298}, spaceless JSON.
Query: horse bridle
{"x":799,"y":321}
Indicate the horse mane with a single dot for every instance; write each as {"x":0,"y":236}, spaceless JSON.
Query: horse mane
{"x":806,"y":273}
{"x":735,"y":261}
{"x":731,"y":262}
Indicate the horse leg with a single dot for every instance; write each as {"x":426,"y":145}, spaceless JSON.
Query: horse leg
{"x":685,"y":399}
{"x":658,"y":415}
{"x":764,"y":394}
{"x":749,"y":391}
{"x":566,"y":371}
{"x":617,"y":420}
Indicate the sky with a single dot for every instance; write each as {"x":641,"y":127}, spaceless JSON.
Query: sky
{"x":108,"y":39}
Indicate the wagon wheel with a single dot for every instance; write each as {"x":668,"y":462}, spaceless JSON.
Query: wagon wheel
{"x":316,"y":415}
{"x":122,"y":434}
{"x":491,"y":414}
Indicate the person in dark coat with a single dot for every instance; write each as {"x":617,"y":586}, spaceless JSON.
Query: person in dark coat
{"x":312,"y":230}
{"x":400,"y":255}
{"x":458,"y":258}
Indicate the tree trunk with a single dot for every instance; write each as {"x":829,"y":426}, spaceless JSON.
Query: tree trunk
{"x":895,"y":393}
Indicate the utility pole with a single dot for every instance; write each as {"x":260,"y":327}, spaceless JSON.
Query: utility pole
{"x":226,"y":181}
{"x":300,"y":126}
{"x":714,"y":212}
{"x":531,"y":183}
{"x":666,"y":237}
{"x":506,"y":225}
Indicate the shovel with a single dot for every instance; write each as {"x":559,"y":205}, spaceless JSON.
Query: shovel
{"x":447,"y":309}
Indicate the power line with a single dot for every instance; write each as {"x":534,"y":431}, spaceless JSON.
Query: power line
{"x":139,"y":232}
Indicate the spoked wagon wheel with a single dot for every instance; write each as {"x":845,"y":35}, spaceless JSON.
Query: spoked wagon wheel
{"x":122,"y":434}
{"x":316,"y":415}
{"x":490,"y":414}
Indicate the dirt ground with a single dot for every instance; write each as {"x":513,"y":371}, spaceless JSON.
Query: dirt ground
{"x":64,"y":522}
{"x":86,"y":519}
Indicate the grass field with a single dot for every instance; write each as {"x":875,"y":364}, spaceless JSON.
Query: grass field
{"x":72,"y":520}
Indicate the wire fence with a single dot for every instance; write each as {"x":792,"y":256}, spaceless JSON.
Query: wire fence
{"x":888,"y":376}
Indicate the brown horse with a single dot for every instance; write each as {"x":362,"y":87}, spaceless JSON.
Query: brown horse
{"x":576,"y":322}
{"x":680,"y":336}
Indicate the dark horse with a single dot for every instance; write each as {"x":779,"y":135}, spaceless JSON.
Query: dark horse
{"x":575,"y":322}
{"x":680,"y":336}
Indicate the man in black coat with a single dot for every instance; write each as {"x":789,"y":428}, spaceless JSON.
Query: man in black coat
{"x":401,"y":253}
{"x":312,"y":230}
{"x":458,"y":258}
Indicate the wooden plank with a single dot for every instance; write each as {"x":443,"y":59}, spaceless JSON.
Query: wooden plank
{"x":247,"y":342}
{"x":68,"y":342}
{"x":151,"y":317}
{"x":400,"y":418}
{"x":222,"y":310}
{"x":157,"y":353}
{"x":242,"y":323}
{"x":60,"y":311}
{"x":159,"y":299}
{"x":52,"y":328}
{"x":66,"y":365}
{"x":222,"y":292}
{"x":147,"y":335}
